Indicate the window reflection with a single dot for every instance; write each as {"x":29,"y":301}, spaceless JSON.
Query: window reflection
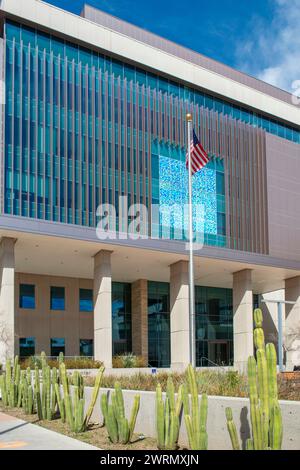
{"x":158,"y":324}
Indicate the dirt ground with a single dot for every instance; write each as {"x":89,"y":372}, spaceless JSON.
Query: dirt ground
{"x":95,"y":435}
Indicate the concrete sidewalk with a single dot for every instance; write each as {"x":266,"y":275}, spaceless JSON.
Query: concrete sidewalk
{"x":16,"y":434}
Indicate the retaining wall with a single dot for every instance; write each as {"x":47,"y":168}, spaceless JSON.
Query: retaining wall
{"x":218,"y":438}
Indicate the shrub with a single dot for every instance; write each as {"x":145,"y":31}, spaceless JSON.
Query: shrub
{"x":72,"y":363}
{"x":128,"y":361}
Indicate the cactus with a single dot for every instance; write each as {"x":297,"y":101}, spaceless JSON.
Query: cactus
{"x":61,"y":357}
{"x":265,"y":413}
{"x":118,"y":427}
{"x":232,"y":429}
{"x":94,"y":396}
{"x":10,"y":384}
{"x":167,"y":417}
{"x":60,"y":402}
{"x":3,"y":390}
{"x":195,"y":417}
{"x":71,"y":406}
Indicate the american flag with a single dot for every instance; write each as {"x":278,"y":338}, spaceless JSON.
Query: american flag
{"x":199,"y":157}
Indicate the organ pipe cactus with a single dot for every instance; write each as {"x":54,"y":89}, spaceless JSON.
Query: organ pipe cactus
{"x":265,"y":413}
{"x":118,"y":427}
{"x":42,"y":395}
{"x":168,"y":416}
{"x":195,"y":415}
{"x":232,"y":429}
{"x":10,"y":383}
{"x":94,"y":396}
{"x":71,"y":406}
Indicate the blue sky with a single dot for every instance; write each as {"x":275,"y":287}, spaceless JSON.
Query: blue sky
{"x":260,"y":37}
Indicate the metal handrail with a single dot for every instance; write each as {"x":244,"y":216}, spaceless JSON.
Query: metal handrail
{"x":211,"y":362}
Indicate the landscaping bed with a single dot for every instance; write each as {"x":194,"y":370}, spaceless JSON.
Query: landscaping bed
{"x":228,"y":384}
{"x":95,"y":435}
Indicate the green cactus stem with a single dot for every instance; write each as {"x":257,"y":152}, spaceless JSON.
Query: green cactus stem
{"x":265,"y":413}
{"x":232,"y":429}
{"x":117,"y":425}
{"x":195,"y":416}
{"x":94,"y":396}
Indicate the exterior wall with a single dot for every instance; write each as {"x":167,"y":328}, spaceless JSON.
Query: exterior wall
{"x":283,"y":170}
{"x":139,"y":315}
{"x":7,"y":304}
{"x":270,"y":315}
{"x":242,"y":318}
{"x":179,"y":311}
{"x":292,"y":322}
{"x":103,"y":308}
{"x":75,"y":167}
{"x":44,"y":324}
{"x":121,"y":45}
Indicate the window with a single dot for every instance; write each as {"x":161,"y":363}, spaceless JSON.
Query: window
{"x":220,"y":182}
{"x":27,"y":347}
{"x":86,"y":300}
{"x":159,"y":324}
{"x":214,"y":326}
{"x":57,"y":298}
{"x":221,"y":223}
{"x":57,"y":346}
{"x":86,"y":347}
{"x":121,"y":317}
{"x":27,"y":296}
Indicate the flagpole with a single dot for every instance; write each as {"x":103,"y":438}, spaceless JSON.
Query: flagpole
{"x":191,"y":258}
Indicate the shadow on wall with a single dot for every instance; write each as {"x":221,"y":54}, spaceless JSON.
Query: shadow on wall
{"x":245,"y":432}
{"x":270,"y":328}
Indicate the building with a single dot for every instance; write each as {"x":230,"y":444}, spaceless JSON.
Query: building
{"x":95,"y":109}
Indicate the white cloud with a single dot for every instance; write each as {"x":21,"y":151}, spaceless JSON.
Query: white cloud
{"x":273,"y":51}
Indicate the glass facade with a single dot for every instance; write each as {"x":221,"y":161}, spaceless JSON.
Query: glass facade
{"x":121,"y":317}
{"x":57,"y":298}
{"x":159,"y":324}
{"x":86,"y":347}
{"x":169,"y":189}
{"x":82,"y":129}
{"x":27,"y":296}
{"x":214,"y":326}
{"x":57,"y":345}
{"x":86,"y":300}
{"x":27,"y":347}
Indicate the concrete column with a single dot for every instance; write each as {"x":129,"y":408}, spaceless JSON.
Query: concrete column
{"x":179,"y":306}
{"x":242,"y":318}
{"x":139,"y":318}
{"x":102,"y":308}
{"x":8,"y":346}
{"x":292,"y":322}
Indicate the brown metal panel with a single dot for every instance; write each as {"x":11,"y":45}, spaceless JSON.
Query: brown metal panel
{"x":265,"y":192}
